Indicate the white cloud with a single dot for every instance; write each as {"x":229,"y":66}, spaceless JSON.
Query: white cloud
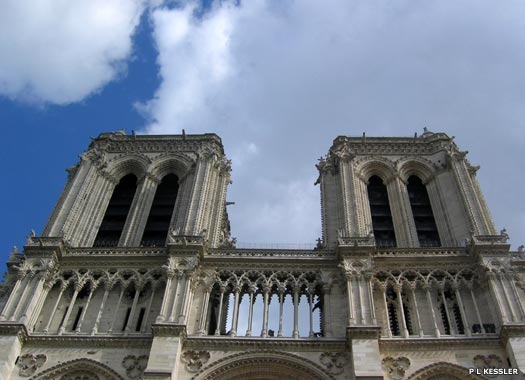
{"x":61,"y":51}
{"x":292,"y":75}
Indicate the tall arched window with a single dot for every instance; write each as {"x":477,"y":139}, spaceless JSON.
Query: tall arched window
{"x":118,"y":208}
{"x":380,"y":211}
{"x":426,"y":228}
{"x":159,"y":217}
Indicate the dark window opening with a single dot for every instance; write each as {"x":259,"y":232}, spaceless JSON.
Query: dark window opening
{"x":140,"y":319}
{"x":64,"y":316}
{"x":444,"y":318}
{"x":126,"y":319}
{"x":426,"y":228}
{"x":161,"y":211}
{"x":381,"y":216}
{"x":408,"y":317}
{"x":391,"y":297}
{"x":77,"y":318}
{"x":116,"y":213}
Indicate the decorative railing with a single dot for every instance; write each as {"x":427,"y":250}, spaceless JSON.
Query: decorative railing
{"x":233,"y":252}
{"x":441,"y":251}
{"x":117,"y":251}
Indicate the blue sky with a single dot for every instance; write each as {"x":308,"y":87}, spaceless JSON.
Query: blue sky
{"x":277,"y":80}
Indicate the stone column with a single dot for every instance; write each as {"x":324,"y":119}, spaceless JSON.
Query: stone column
{"x":204,"y":310}
{"x":63,"y":287}
{"x":427,"y":288}
{"x":402,"y":217}
{"x":384,"y":288}
{"x":235,"y":311}
{"x":84,"y":310}
{"x":78,"y":288}
{"x":222,"y":289}
{"x":474,"y":207}
{"x":107,"y":289}
{"x":250,"y":313}
{"x":266,"y":292}
{"x":14,"y":296}
{"x":139,"y":211}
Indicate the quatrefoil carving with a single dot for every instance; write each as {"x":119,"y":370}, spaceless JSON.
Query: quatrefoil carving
{"x":395,"y":367}
{"x":29,"y":363}
{"x":135,"y":365}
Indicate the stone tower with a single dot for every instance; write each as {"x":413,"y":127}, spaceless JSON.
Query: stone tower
{"x":136,"y":276}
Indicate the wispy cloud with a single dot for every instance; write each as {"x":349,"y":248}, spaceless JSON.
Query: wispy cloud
{"x":292,"y":75}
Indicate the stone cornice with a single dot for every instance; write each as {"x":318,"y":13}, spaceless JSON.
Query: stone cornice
{"x":264,"y":253}
{"x":119,"y":142}
{"x":363,"y":332}
{"x":422,"y":252}
{"x":429,"y":144}
{"x":116,"y":251}
{"x":512,"y":331}
{"x":14,"y":329}
{"x":96,"y":262}
{"x":276,"y":264}
{"x":89,"y":341}
{"x":221,"y":343}
{"x":168,"y":329}
{"x":393,"y":344}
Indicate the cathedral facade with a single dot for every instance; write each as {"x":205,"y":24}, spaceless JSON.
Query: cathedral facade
{"x":136,"y":275}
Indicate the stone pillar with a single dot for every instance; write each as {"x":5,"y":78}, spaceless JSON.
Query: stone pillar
{"x":164,"y":356}
{"x":402,"y":217}
{"x":474,"y":207}
{"x":139,"y":211}
{"x":69,"y":197}
{"x":96,"y":210}
{"x":441,"y":218}
{"x":11,"y":349}
{"x":364,"y":343}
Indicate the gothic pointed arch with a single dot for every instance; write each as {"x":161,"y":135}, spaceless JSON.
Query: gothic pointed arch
{"x":84,"y":369}
{"x":268,"y":365}
{"x":444,"y":371}
{"x":173,"y":162}
{"x":378,"y":166}
{"x":416,"y":166}
{"x":128,"y":164}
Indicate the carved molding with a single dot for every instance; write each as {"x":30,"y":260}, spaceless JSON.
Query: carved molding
{"x":363,"y":332}
{"x":221,"y":343}
{"x":89,"y":341}
{"x":287,"y":364}
{"x":79,"y":366}
{"x":165,"y":329}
